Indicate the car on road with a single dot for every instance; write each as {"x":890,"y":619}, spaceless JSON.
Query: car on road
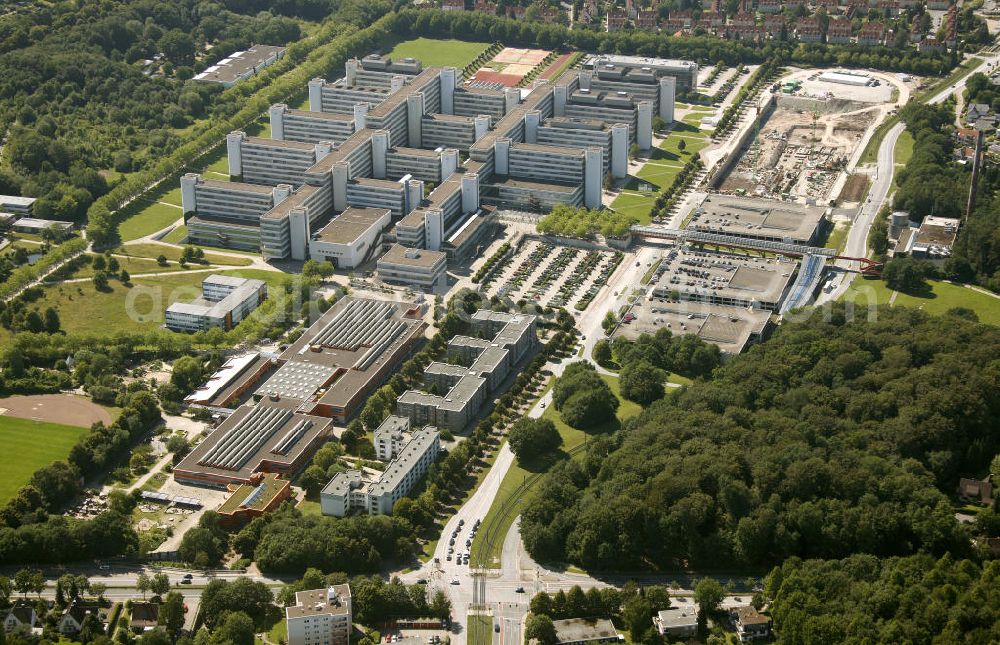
{"x":186,"y":581}
{"x":454,"y":581}
{"x":422,"y":581}
{"x":448,"y":558}
{"x":468,"y":543}
{"x":188,"y":576}
{"x":519,"y":590}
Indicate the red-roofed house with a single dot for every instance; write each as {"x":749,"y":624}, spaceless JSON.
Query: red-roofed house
{"x":453,"y":5}
{"x":807,"y":30}
{"x":775,"y":26}
{"x":838,"y":32}
{"x":871,"y":34}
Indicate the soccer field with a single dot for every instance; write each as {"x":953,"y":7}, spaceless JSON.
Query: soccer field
{"x":29,"y":445}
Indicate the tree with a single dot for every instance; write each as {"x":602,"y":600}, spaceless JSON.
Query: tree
{"x":236,"y":628}
{"x":589,"y":408}
{"x":97,"y":589}
{"x":171,"y":614}
{"x":100,"y":281}
{"x":161,"y":260}
{"x":907,"y":275}
{"x":609,"y":322}
{"x":29,"y":580}
{"x":709,"y":594}
{"x":124,"y":277}
{"x":187,"y":373}
{"x":681,"y":145}
{"x":159,"y":584}
{"x":533,"y":437}
{"x":440,"y":605}
{"x":641,"y":382}
{"x":52,"y":323}
{"x":602,"y":353}
{"x":540,"y":627}
{"x":637,"y":615}
{"x":90,"y":629}
{"x":143,"y":583}
{"x":200,"y":547}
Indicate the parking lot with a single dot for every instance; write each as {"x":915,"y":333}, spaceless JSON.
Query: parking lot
{"x":552,"y":275}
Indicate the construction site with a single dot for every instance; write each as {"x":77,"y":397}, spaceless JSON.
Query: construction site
{"x":799,"y":150}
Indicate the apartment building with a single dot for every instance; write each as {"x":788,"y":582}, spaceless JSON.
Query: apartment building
{"x":512,"y":337}
{"x":17,"y":205}
{"x":271,"y":161}
{"x":225,"y":301}
{"x":320,"y":617}
{"x":408,"y":456}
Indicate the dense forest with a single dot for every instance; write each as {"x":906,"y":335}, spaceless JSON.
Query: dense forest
{"x":105,"y":85}
{"x":831,"y":439}
{"x":863,"y":599}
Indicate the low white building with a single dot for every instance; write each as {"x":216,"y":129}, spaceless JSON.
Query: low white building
{"x":224,"y":303}
{"x":36,"y":226}
{"x":320,"y":617}
{"x":419,"y":268}
{"x":18,"y":205}
{"x":677,"y":622}
{"x":349,"y":237}
{"x":409,"y":456}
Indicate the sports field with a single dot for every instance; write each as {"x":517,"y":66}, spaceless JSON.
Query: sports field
{"x":434,"y":51}
{"x":29,"y":445}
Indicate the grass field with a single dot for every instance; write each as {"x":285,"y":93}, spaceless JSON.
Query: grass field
{"x":837,"y":235}
{"x":638,"y":206}
{"x":134,"y":266}
{"x":135,"y":308}
{"x":434,"y":51}
{"x":659,"y":175}
{"x":941,"y":297}
{"x":176,"y":236}
{"x":174,"y":254}
{"x":904,"y":148}
{"x":29,"y":445}
{"x":518,"y":472}
{"x":149,"y":220}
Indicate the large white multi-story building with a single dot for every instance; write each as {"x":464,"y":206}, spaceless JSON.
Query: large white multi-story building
{"x":348,"y":239}
{"x":408,"y":456}
{"x":224,"y":303}
{"x":376,"y":137}
{"x":320,"y":617}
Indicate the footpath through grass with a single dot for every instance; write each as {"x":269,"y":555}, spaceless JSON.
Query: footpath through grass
{"x":519,"y":473}
{"x":28,"y":446}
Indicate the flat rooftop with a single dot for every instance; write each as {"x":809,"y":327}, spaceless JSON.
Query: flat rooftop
{"x":400,"y":255}
{"x":757,"y":218}
{"x":242,"y":289}
{"x":350,"y":225}
{"x":717,"y":275}
{"x":333,"y":600}
{"x":233,"y":67}
{"x":346,"y":351}
{"x":575,"y":630}
{"x":252,"y":437}
{"x":731,"y":329}
{"x":255,"y":496}
{"x":643,"y":61}
{"x":526,"y":184}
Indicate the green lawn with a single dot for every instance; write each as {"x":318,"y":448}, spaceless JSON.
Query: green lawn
{"x":904,"y":148}
{"x":149,"y":220}
{"x":134,"y":266}
{"x":518,"y":473}
{"x":837,"y":235}
{"x":638,"y":206}
{"x":176,"y":236}
{"x":29,"y":445}
{"x":941,"y":297}
{"x":152,"y":250}
{"x":434,"y":51}
{"x":136,"y":308}
{"x":659,"y":176}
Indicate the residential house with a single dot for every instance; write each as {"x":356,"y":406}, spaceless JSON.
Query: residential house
{"x":832,"y":7}
{"x":145,"y":616}
{"x":677,"y":622}
{"x":807,"y":30}
{"x":686,"y":16}
{"x":871,"y":34}
{"x":981,"y":491}
{"x":672,"y":25}
{"x":72,"y":619}
{"x":916,"y":32}
{"x":21,"y":615}
{"x":486,"y":6}
{"x":775,"y":26}
{"x":977,"y":112}
{"x":769,"y":6}
{"x":751,"y":624}
{"x":452,"y":5}
{"x":744,"y":20}
{"x":617,"y":19}
{"x":938,"y":5}
{"x":838,"y":31}
{"x":714,"y":18}
{"x":646,"y":19}
{"x":929,"y":45}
